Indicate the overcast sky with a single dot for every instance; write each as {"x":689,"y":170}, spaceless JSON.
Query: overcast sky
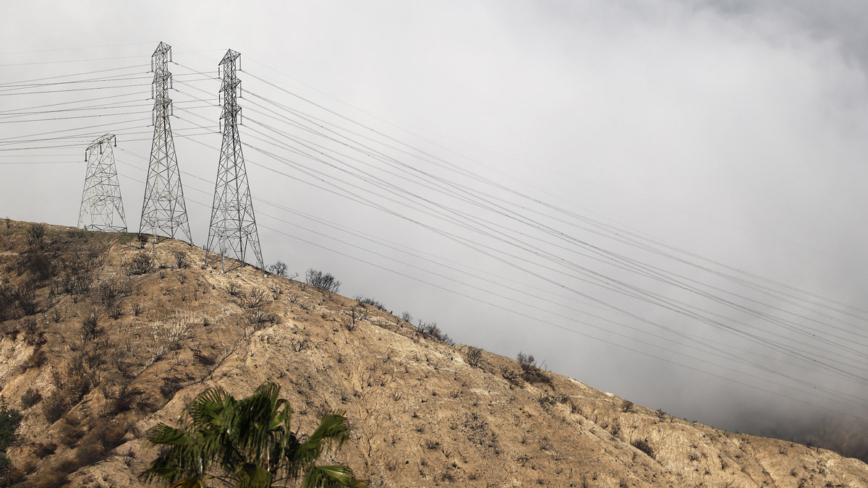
{"x":732,"y":130}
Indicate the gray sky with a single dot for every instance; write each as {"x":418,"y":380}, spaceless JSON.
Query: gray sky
{"x":726,"y":129}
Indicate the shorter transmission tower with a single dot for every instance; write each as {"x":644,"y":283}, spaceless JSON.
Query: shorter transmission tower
{"x":101,"y":200}
{"x":233,"y":224}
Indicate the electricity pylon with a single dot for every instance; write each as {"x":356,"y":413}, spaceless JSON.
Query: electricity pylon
{"x":101,"y":200}
{"x":163,"y":211}
{"x":233,"y":224}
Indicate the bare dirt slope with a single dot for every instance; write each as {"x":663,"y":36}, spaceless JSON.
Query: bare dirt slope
{"x":99,"y":345}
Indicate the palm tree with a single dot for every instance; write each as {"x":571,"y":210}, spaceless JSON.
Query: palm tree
{"x":247,"y":443}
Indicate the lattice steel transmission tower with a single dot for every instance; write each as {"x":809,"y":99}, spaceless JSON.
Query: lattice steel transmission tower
{"x":233,"y":224}
{"x":163,"y":211}
{"x":101,"y":199}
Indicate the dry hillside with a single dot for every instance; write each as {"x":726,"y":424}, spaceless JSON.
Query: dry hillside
{"x":101,"y":340}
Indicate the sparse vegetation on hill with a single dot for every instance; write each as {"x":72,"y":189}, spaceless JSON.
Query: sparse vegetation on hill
{"x":114,"y":337}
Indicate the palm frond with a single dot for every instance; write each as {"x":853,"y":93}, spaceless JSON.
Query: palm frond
{"x":331,"y":477}
{"x":159,"y":470}
{"x":249,"y":475}
{"x":190,"y":483}
{"x":164,"y":435}
{"x":208,"y":406}
{"x":332,"y":431}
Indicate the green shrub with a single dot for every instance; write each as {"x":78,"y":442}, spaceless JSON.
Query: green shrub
{"x":10,"y":419}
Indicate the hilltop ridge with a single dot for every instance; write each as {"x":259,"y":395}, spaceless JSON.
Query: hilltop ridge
{"x":103,"y":337}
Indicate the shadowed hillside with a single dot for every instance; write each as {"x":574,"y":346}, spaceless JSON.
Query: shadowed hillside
{"x":103,"y":339}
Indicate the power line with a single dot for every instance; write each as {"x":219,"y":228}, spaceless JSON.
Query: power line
{"x":69,"y":90}
{"x":535,"y":200}
{"x":76,"y":74}
{"x":487,"y":291}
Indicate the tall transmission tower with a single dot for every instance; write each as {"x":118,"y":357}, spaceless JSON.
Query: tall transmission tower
{"x":101,"y":199}
{"x":233,"y":224}
{"x":163,"y":211}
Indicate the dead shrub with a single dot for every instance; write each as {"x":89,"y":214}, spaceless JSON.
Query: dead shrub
{"x":170,"y":386}
{"x":512,"y":376}
{"x":77,"y":270}
{"x":473,"y":356}
{"x":125,"y":398}
{"x":255,"y":299}
{"x":323,"y":281}
{"x":203,"y":358}
{"x":371,"y":302}
{"x":111,"y":293}
{"x":180,"y":259}
{"x":19,"y":301}
{"x":108,"y":435}
{"x":54,"y":407}
{"x":36,"y":360}
{"x":233,"y":289}
{"x":68,"y":466}
{"x":26,"y":298}
{"x":121,"y":360}
{"x":644,"y":446}
{"x":38,"y":265}
{"x":278,"y":268}
{"x":33,"y":336}
{"x":89,"y":325}
{"x":50,"y":478}
{"x":71,"y":387}
{"x":141,"y":264}
{"x":7,"y":303}
{"x":176,"y":330}
{"x":68,"y":435}
{"x":30,"y":398}
{"x":36,"y":235}
{"x":356,"y":315}
{"x":431,"y":330}
{"x":43,"y":450}
{"x":89,"y":454}
{"x":530,"y":371}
